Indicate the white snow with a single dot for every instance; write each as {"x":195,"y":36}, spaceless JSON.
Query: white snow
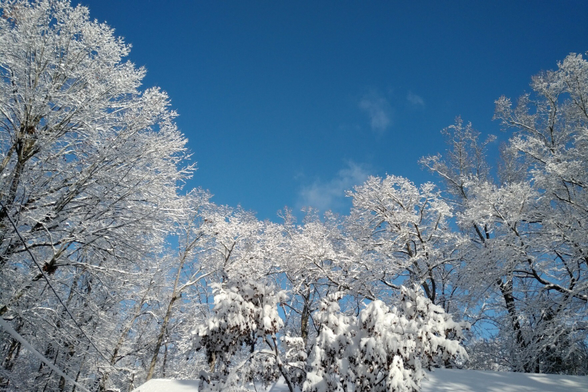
{"x":444,"y":380}
{"x":162,"y":385}
{"x":440,"y":380}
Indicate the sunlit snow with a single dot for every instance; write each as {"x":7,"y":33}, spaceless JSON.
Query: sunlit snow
{"x":441,"y":380}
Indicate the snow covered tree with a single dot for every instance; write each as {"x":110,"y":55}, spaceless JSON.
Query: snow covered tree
{"x":89,"y":169}
{"x":238,"y":244}
{"x":525,"y":264}
{"x":404,"y":232}
{"x":550,"y":146}
{"x":238,"y":258}
{"x":315,"y":261}
{"x":186,"y":272}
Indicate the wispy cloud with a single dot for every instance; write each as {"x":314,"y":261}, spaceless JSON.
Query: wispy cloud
{"x":329,"y":195}
{"x":378,"y":110}
{"x":415,"y":99}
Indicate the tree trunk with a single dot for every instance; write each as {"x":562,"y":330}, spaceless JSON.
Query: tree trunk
{"x":506,"y":288}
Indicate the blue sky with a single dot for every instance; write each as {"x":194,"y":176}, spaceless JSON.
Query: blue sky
{"x":289,"y":103}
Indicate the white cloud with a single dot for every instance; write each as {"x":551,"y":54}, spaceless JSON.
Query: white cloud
{"x":416,"y":100}
{"x":329,"y":195}
{"x":379,"y":111}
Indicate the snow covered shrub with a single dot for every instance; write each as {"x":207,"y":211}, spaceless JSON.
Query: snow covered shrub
{"x":328,"y":362}
{"x":245,"y":319}
{"x":384,"y":349}
{"x":295,"y":358}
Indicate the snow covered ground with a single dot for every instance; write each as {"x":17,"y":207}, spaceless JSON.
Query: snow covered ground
{"x":441,"y":380}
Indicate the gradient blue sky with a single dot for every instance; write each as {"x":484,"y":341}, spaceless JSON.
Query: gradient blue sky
{"x":289,"y":103}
